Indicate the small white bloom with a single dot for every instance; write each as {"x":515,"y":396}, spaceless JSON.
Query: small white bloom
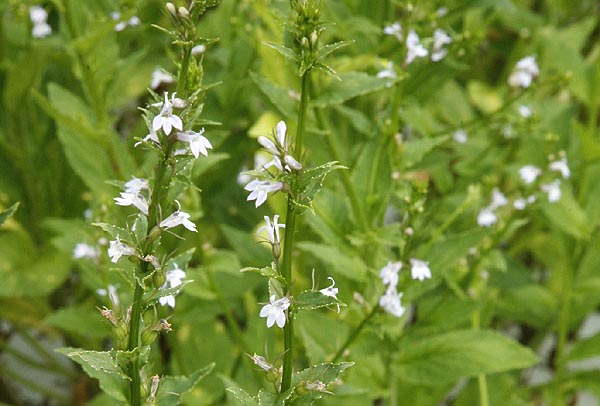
{"x":498,"y":199}
{"x":388,"y":72}
{"x":419,"y":269}
{"x":508,"y":131}
{"x":198,"y":49}
{"x":135,"y":199}
{"x":260,"y":189}
{"x":561,"y":166}
{"x":520,"y":203}
{"x":272,"y":229}
{"x":167,"y":300}
{"x":174,"y":278}
{"x":261,"y":362}
{"x":395,"y":29}
{"x":118,"y":249}
{"x":553,"y":191}
{"x":151,"y":136}
{"x":120,"y":26}
{"x":41,"y":30}
{"x":83,"y":250}
{"x":331,"y":291}
{"x":159,"y":76}
{"x":460,"y":136}
{"x":442,"y":11}
{"x":486,"y":217}
{"x":440,"y":38}
{"x":166,"y":119}
{"x":525,"y":70}
{"x":115,"y":15}
{"x":291,"y":162}
{"x":178,"y":218}
{"x":267,"y":144}
{"x":134,"y":21}
{"x":529,"y":173}
{"x":275,"y":311}
{"x":525,"y":111}
{"x":414,"y":49}
{"x":136,"y":185}
{"x":389,"y":273}
{"x":112,"y":294}
{"x":38,"y":15}
{"x":280,"y":132}
{"x":198,"y":143}
{"x":391,"y":302}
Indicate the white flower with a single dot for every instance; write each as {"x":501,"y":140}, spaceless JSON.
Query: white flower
{"x":38,"y":15}
{"x":166,"y":119}
{"x":280,"y":133}
{"x":291,"y":162}
{"x":331,"y":291}
{"x":198,"y":49}
{"x":134,"y":21}
{"x":112,"y":294}
{"x":460,"y":136}
{"x":389,"y":273}
{"x":440,"y":38}
{"x":267,"y":144}
{"x":553,"y":191}
{"x":525,"y":111}
{"x":414,"y":49}
{"x":260,"y":189}
{"x":525,"y":70}
{"x":135,"y":199}
{"x":390,"y":302}
{"x":167,"y":300}
{"x":41,"y":30}
{"x":178,"y":218}
{"x":261,"y":362}
{"x":388,"y":72}
{"x":115,"y":15}
{"x":520,"y":203}
{"x":275,"y":311}
{"x":174,"y":278}
{"x":151,"y":136}
{"x":198,"y":142}
{"x":159,"y":76}
{"x":83,"y":250}
{"x":272,"y":229}
{"x":486,"y":217}
{"x":395,"y":29}
{"x":419,"y":269}
{"x":561,"y":166}
{"x":498,"y":199}
{"x":529,"y":173}
{"x":136,"y":185}
{"x":118,"y":249}
{"x":120,"y":26}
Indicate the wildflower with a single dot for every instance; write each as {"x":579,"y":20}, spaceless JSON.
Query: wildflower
{"x":389,"y":273}
{"x":440,"y":38}
{"x":38,"y":17}
{"x":135,"y":199}
{"x":525,"y":111}
{"x":178,"y":218}
{"x":166,"y":119}
{"x":388,"y":73}
{"x":498,"y":199}
{"x":272,"y":229}
{"x":529,"y":173}
{"x":419,"y":269}
{"x":118,"y":249}
{"x":486,"y":217}
{"x":261,"y":362}
{"x":414,"y":49}
{"x":120,"y":26}
{"x":134,"y":21}
{"x":460,"y":136}
{"x":136,"y":185}
{"x":174,"y":278}
{"x":390,"y":302}
{"x":83,"y":250}
{"x":291,"y":162}
{"x":553,"y":191}
{"x":260,"y":189}
{"x":522,"y":203}
{"x":561,"y":166}
{"x":151,"y":136}
{"x":331,"y":291}
{"x":159,"y":77}
{"x":395,"y":29}
{"x":525,"y":70}
{"x":267,"y":144}
{"x":275,"y":311}
{"x":198,"y":49}
{"x":198,"y":142}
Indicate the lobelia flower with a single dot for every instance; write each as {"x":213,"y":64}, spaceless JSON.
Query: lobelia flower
{"x":525,"y":70}
{"x":522,"y":203}
{"x":38,"y":17}
{"x":395,"y":29}
{"x":261,"y":362}
{"x":136,"y":185}
{"x":260,"y":189}
{"x":118,"y":249}
{"x":331,"y":291}
{"x":414,"y":49}
{"x":460,"y":136}
{"x":529,"y":173}
{"x":486,"y":217}
{"x":166,"y":119}
{"x":561,"y":166}
{"x":135,"y":199}
{"x":198,"y":142}
{"x":525,"y":111}
{"x":275,"y":311}
{"x":419,"y":269}
{"x":272,"y":229}
{"x":174,"y":278}
{"x":389,"y":273}
{"x":159,"y":77}
{"x":388,"y":72}
{"x":178,"y":218}
{"x":390,"y":302}
{"x":83,"y":250}
{"x":440,"y":38}
{"x":553,"y":191}
{"x":498,"y":199}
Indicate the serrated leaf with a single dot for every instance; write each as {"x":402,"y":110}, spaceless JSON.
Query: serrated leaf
{"x":327,"y":49}
{"x":415,"y":150}
{"x":313,"y":299}
{"x":322,"y":374}
{"x":352,"y":84}
{"x":111,"y":229}
{"x":286,"y":52}
{"x":267,"y":399}
{"x":268,"y":271}
{"x":312,"y":181}
{"x":568,"y":215}
{"x":79,"y":320}
{"x":445,"y":358}
{"x":171,"y":388}
{"x":243,"y":397}
{"x":344,"y":264}
{"x":279,"y":97}
{"x":6,"y":214}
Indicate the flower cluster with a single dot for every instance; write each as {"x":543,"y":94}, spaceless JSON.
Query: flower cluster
{"x":389,"y":274}
{"x":487,"y":216}
{"x":525,"y":70}
{"x":415,"y":49}
{"x":39,"y":18}
{"x":134,"y":21}
{"x":174,"y":278}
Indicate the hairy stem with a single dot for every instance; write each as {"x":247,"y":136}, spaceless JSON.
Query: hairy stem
{"x":288,"y":247}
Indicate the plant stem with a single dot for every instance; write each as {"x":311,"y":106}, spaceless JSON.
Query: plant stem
{"x":563,"y":330}
{"x":182,"y":79}
{"x":484,"y":399}
{"x":352,"y":336}
{"x":288,"y":247}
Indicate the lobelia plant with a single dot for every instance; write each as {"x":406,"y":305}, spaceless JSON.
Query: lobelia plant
{"x":175,"y":136}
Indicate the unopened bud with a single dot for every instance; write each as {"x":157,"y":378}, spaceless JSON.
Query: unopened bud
{"x":198,"y":49}
{"x":159,"y":278}
{"x":171,"y":8}
{"x":409,"y":231}
{"x":304,"y":42}
{"x":276,"y":250}
{"x":267,"y":144}
{"x":178,"y":103}
{"x":162,"y":325}
{"x":151,"y":259}
{"x":121,"y":332}
{"x":314,"y":37}
{"x":148,"y":336}
{"x":292,"y":163}
{"x":109,"y":315}
{"x":183,"y":12}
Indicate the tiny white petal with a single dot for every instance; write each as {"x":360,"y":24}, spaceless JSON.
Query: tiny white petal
{"x":529,"y":173}
{"x":486,"y":217}
{"x":419,"y":269}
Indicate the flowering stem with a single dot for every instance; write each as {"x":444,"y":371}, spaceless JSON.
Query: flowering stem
{"x":352,"y":336}
{"x":288,"y":247}
{"x":484,"y":399}
{"x":182,"y":79}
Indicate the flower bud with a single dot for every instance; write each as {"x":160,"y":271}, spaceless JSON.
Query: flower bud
{"x":314,"y":37}
{"x":148,"y":336}
{"x":267,"y":144}
{"x":178,"y":103}
{"x":276,"y":250}
{"x":292,"y":163}
{"x":304,"y":42}
{"x":159,"y":277}
{"x":274,"y":375}
{"x":198,"y":49}
{"x":183,"y":12}
{"x":171,"y":8}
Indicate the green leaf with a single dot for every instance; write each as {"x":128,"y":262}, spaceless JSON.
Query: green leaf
{"x":352,"y":84}
{"x":79,"y":320}
{"x":286,"y":52}
{"x":344,"y":264}
{"x":585,"y":348}
{"x":312,"y":299}
{"x":415,"y":150}
{"x":111,"y":229}
{"x":568,"y":215}
{"x":312,"y":181}
{"x":447,"y":357}
{"x":327,"y":49}
{"x":244,"y":398}
{"x":313,"y":381}
{"x":6,"y":214}
{"x":278,"y":96}
{"x":171,"y":388}
{"x":267,"y":271}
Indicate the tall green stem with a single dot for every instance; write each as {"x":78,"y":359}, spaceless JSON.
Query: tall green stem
{"x":352,"y":336}
{"x":563,"y":330}
{"x":288,"y":247}
{"x":484,"y":398}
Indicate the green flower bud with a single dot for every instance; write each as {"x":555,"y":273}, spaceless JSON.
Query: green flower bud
{"x":159,"y":277}
{"x":148,"y":336}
